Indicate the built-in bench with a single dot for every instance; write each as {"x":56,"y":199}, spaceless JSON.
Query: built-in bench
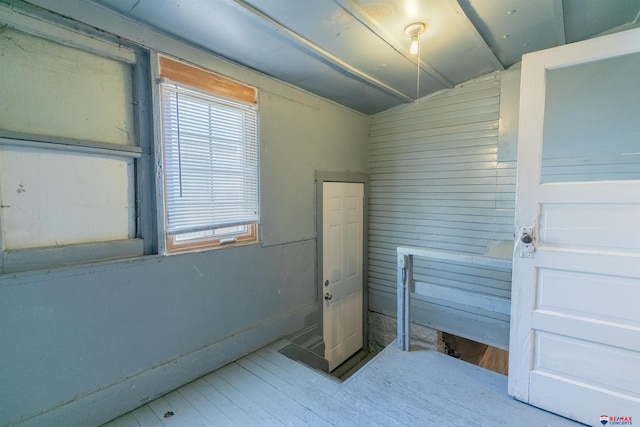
{"x":444,"y":294}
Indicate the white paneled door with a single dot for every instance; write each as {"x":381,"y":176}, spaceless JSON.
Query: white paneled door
{"x":342,"y":222}
{"x":575,"y":321}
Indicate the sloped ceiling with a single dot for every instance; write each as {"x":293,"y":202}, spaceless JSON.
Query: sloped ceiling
{"x":356,"y":53}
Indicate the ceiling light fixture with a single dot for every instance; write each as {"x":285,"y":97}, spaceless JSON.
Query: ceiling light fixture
{"x":414,"y":30}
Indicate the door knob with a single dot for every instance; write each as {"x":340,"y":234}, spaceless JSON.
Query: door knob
{"x":328,"y":296}
{"x":526,"y":244}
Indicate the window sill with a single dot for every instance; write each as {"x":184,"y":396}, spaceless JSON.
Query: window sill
{"x":70,"y":255}
{"x":249,"y":237}
{"x":205,"y":247}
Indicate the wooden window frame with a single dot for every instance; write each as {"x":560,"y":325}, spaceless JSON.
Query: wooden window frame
{"x":191,"y":76}
{"x":236,"y":239}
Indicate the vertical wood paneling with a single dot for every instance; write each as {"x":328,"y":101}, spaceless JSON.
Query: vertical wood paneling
{"x":436,"y":182}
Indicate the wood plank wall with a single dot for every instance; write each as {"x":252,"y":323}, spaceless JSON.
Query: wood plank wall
{"x":436,"y":182}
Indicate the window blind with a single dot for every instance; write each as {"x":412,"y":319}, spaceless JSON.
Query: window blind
{"x":211,"y":160}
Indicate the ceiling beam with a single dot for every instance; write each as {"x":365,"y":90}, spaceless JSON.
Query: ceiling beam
{"x":323,"y":54}
{"x":476,"y":34}
{"x":359,"y":14}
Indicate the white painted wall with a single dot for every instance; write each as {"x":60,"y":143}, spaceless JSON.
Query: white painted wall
{"x":55,"y":198}
{"x":67,"y":92}
{"x":509,"y":114}
{"x":437,"y":182}
{"x":81,"y":345}
{"x":443,"y":177}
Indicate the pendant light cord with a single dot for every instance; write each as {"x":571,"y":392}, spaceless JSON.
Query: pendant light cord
{"x":413,"y":31}
{"x":418,"y":73}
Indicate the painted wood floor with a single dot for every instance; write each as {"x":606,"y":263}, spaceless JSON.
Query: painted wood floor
{"x":416,"y":388}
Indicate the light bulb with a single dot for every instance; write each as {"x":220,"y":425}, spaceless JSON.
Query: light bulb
{"x":413,"y":31}
{"x":413,"y":48}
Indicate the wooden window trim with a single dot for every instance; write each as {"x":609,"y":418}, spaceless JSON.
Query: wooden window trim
{"x":250,"y":236}
{"x":206,"y":80}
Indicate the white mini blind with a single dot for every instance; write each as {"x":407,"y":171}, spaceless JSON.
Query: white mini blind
{"x":211,"y":160}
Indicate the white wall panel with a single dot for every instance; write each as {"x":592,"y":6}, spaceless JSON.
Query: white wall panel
{"x":436,"y":182}
{"x":67,"y":92}
{"x":53,"y":198}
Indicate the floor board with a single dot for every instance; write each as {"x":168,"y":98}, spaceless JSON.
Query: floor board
{"x":257,"y":414}
{"x":230,"y":410}
{"x":416,"y":388}
{"x":145,"y":417}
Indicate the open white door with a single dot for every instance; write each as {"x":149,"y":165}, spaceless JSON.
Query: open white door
{"x":342,"y":249}
{"x":575,"y":322}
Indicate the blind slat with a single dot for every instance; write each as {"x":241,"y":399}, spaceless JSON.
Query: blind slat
{"x":211,"y":161}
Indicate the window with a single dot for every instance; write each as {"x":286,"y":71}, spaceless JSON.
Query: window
{"x":210,"y":151}
{"x":69,"y":147}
